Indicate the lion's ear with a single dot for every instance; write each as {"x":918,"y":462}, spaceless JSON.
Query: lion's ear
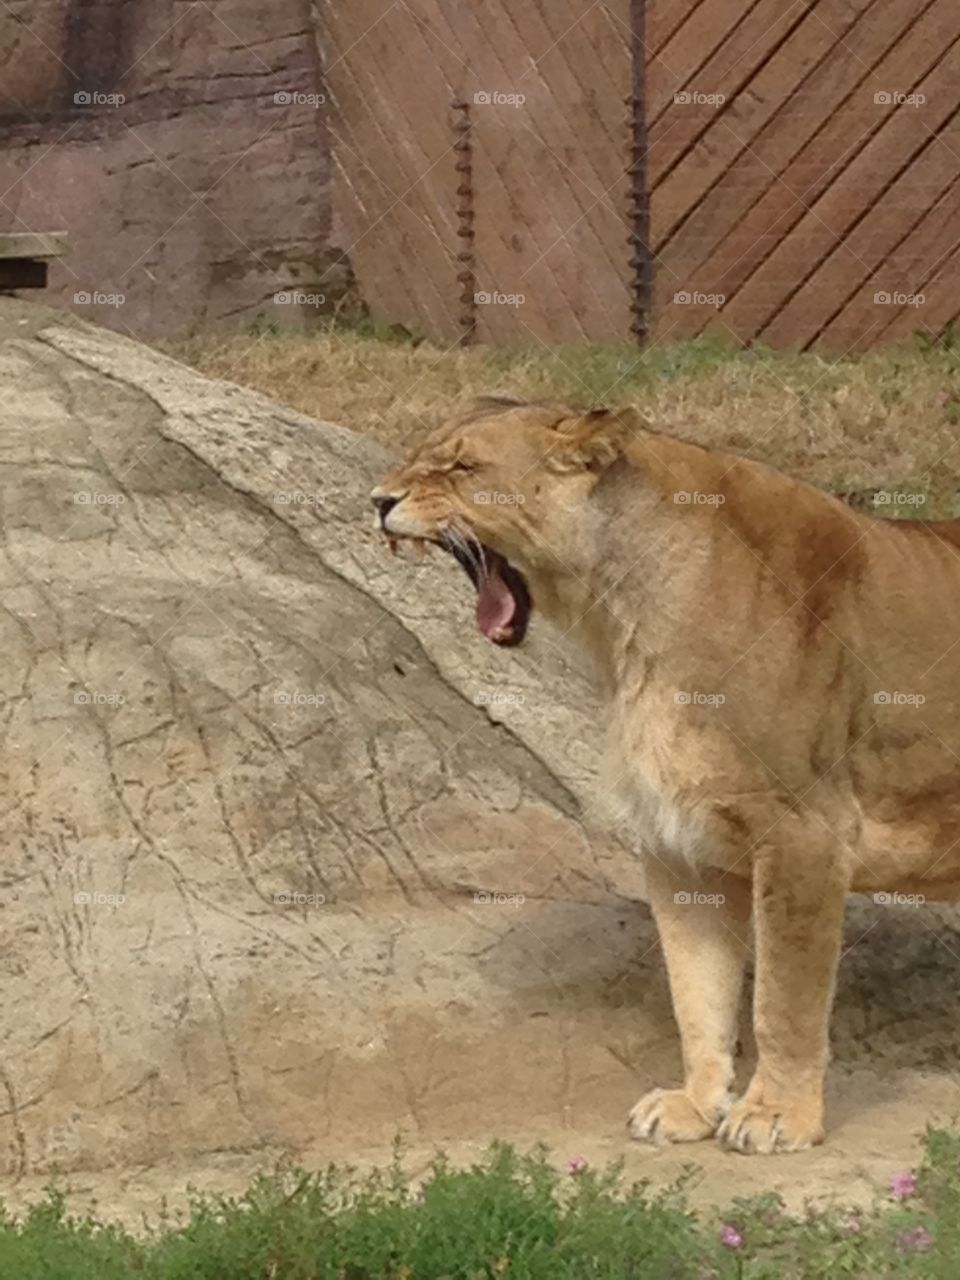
{"x":591,"y":442}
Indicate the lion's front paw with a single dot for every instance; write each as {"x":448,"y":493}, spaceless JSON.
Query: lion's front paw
{"x":757,"y":1128}
{"x":668,"y":1115}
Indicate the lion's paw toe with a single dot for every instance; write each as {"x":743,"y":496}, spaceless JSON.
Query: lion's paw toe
{"x":763,"y":1129}
{"x":668,"y":1115}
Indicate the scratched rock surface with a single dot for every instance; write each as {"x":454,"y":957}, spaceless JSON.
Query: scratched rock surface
{"x":294,"y":859}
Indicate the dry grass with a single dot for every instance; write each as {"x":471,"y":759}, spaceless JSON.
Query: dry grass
{"x":886,"y":420}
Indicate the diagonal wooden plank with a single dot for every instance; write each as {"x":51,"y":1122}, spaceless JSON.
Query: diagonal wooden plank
{"x":749,"y":208}
{"x":905,"y":271}
{"x":744,"y":117}
{"x":747,"y":264}
{"x":731,"y":67}
{"x":875,"y":200}
{"x":680,"y":61}
{"x":397,"y":176}
{"x":941,"y":304}
{"x":507,"y":47}
{"x":664,"y":17}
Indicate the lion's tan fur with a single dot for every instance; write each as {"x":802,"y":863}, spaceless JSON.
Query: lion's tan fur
{"x":783,"y":677}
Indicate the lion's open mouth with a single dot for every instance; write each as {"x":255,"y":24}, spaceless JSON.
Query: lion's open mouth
{"x":504,"y":603}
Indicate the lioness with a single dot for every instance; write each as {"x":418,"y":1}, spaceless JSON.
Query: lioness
{"x":784,"y":709}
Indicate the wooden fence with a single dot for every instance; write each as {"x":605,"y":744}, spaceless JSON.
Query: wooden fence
{"x":800,"y":164}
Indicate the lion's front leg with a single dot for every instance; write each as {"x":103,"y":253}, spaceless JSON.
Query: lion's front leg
{"x":703,"y":923}
{"x":799,"y":898}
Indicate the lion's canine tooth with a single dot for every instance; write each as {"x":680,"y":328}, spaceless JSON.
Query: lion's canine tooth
{"x":420,"y":548}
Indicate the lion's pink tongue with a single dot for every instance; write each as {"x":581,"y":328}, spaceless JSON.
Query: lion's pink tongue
{"x":495,"y":605}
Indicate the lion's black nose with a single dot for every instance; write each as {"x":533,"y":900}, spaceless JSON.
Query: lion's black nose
{"x":384,"y":507}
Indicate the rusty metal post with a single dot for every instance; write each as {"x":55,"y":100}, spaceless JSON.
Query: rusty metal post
{"x":641,"y":259}
{"x":466,"y":276}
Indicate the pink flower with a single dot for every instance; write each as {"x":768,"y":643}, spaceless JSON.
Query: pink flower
{"x":731,"y":1237}
{"x":903,"y":1185}
{"x":576,"y":1164}
{"x":917,"y":1240}
{"x":852,"y":1224}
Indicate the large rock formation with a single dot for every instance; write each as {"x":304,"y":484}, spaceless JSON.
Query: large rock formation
{"x":292,"y":856}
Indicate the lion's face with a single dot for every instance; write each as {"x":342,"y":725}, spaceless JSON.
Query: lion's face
{"x":503,"y":491}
